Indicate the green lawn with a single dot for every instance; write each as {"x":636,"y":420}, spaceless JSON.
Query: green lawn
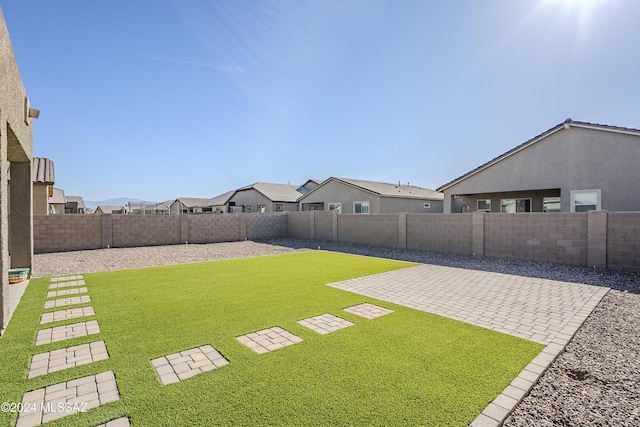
{"x":405,"y":368}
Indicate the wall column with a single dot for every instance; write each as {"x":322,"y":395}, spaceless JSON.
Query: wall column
{"x":477,"y":224}
{"x":334,"y":225}
{"x":312,"y":224}
{"x":21,"y":216}
{"x":402,"y":230}
{"x":597,"y":239}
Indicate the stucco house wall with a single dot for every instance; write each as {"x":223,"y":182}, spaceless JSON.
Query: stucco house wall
{"x":16,"y":147}
{"x":336,"y":192}
{"x":252,"y":198}
{"x":575,"y":156}
{"x":396,"y":205}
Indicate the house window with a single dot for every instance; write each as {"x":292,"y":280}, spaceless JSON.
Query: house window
{"x":262,"y":208}
{"x":515,"y":205}
{"x":483,"y":205}
{"x":335,"y":207}
{"x":427,"y":205}
{"x":551,"y":204}
{"x":313,"y":207}
{"x":247,"y":208}
{"x":585,"y":200}
{"x":361,"y":207}
{"x":279,"y":207}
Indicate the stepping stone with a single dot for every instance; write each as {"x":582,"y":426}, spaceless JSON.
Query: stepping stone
{"x":54,"y":303}
{"x":325,"y":323}
{"x":60,"y":400}
{"x":67,"y":284}
{"x":180,"y":366}
{"x":66,"y":278}
{"x":269,"y":339}
{"x":120,"y":422}
{"x":61,"y":293}
{"x":367,"y":310}
{"x":71,"y":313}
{"x":67,"y":332}
{"x":65,"y":358}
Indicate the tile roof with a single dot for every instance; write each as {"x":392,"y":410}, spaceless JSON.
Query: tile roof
{"x":566,"y":124}
{"x":275,"y":192}
{"x":42,"y":170}
{"x":392,"y":190}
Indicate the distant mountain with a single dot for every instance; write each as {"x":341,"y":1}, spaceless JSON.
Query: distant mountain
{"x":121,"y":201}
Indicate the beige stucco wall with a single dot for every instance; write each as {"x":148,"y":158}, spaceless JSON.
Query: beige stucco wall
{"x":569,"y":159}
{"x":16,"y":146}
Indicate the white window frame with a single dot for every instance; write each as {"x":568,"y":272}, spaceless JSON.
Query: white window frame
{"x":427,"y":205}
{"x":363,"y":203}
{"x":261,"y":208}
{"x":335,"y":206}
{"x":598,"y":192}
{"x":278,"y":207}
{"x":488,"y":201}
{"x":545,"y":200}
{"x":516,"y":200}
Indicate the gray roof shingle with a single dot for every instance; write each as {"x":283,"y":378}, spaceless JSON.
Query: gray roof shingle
{"x":392,"y":190}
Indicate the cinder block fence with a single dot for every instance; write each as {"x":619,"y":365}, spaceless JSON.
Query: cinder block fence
{"x":595,"y":238}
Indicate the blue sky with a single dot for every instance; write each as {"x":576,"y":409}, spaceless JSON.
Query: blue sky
{"x":167,"y":98}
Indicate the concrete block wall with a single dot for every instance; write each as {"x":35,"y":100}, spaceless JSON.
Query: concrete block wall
{"x":299,"y":225}
{"x":378,"y":230}
{"x":213,"y":228}
{"x":451,"y":233}
{"x":325,"y":223}
{"x":58,"y":233}
{"x":146,"y":230}
{"x":264,"y":225}
{"x":623,"y":241}
{"x":542,"y":237}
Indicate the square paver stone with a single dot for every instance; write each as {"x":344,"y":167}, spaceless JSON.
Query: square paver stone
{"x":325,"y":323}
{"x":58,"y":285}
{"x":268,"y":340}
{"x":59,"y":400}
{"x":61,"y":302}
{"x":119,"y":422}
{"x":65,"y":358}
{"x":72,"y":313}
{"x":66,"y":278}
{"x":185,"y":364}
{"x":367,"y":310}
{"x":67,"y":291}
{"x":66,"y":332}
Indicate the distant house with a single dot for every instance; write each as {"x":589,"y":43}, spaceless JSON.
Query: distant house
{"x":309,"y":185}
{"x":220,"y":203}
{"x":265,"y":197}
{"x":363,"y":197}
{"x":74,"y":205}
{"x":57,"y":202}
{"x":145,"y":208}
{"x":190,"y":205}
{"x":572,"y":167}
{"x":43,"y":180}
{"x":108,"y":210}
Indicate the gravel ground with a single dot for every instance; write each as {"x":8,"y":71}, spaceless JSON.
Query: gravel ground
{"x":594,"y":382}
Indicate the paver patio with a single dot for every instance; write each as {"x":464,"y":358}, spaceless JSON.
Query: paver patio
{"x":545,"y":311}
{"x":120,"y":422}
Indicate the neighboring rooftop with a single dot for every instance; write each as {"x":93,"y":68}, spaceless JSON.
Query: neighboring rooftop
{"x":566,"y":124}
{"x":275,"y":192}
{"x":391,"y":190}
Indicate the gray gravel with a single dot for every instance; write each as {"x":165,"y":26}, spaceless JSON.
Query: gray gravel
{"x":594,"y":382}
